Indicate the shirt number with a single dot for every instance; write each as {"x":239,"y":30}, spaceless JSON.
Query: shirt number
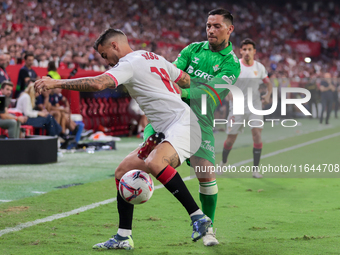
{"x":165,"y":78}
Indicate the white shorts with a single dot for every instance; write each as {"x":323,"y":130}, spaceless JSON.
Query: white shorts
{"x":236,"y":123}
{"x":185,"y":137}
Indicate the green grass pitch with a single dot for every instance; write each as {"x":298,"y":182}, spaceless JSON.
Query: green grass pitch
{"x":296,"y":213}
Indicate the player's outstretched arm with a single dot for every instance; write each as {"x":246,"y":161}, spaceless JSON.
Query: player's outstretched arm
{"x":269,"y":86}
{"x":184,"y":81}
{"x":87,"y":84}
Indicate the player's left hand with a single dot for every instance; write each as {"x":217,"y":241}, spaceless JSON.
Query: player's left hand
{"x":44,"y":84}
{"x":266,"y":99}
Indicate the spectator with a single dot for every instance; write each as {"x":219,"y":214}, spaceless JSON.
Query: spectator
{"x":26,"y":73}
{"x":326,"y":89}
{"x":39,"y":119}
{"x":336,"y":84}
{"x":72,"y":28}
{"x":58,"y":104}
{"x":9,"y":121}
{"x":42,"y":103}
{"x":313,"y":89}
{"x":3,"y":64}
{"x":52,"y":71}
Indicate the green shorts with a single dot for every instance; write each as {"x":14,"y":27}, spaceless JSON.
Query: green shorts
{"x":207,"y":149}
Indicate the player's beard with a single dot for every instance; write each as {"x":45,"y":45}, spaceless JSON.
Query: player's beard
{"x":218,"y":46}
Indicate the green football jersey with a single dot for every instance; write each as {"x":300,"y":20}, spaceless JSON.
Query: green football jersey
{"x":207,"y":68}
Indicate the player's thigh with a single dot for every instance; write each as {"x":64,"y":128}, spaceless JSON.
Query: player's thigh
{"x":163,"y":155}
{"x":236,"y":124}
{"x":204,"y":169}
{"x":131,"y":162}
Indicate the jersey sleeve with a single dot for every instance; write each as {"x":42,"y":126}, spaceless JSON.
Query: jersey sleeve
{"x":174,"y":73}
{"x":228,"y":75}
{"x":264,"y":74}
{"x":121,"y":72}
{"x":182,"y":61}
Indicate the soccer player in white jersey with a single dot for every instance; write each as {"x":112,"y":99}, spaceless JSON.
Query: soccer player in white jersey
{"x":253,"y":73}
{"x":148,"y":78}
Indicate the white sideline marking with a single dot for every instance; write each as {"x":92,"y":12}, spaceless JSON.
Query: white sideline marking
{"x":39,"y":192}
{"x":66,"y":214}
{"x":5,"y":201}
{"x":94,"y":205}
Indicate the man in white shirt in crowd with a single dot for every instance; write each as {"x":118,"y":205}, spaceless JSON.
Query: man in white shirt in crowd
{"x":8,"y":121}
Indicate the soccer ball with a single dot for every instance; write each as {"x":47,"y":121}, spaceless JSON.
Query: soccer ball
{"x":136,"y":187}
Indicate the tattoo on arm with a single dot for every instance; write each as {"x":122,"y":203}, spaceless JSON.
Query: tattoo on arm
{"x":89,"y":84}
{"x":172,"y":160}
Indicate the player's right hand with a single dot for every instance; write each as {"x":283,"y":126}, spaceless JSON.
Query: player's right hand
{"x":44,"y":84}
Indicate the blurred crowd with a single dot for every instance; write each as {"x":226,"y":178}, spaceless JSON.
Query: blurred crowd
{"x":64,"y":31}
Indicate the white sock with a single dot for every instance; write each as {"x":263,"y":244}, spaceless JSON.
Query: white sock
{"x":124,"y":232}
{"x":198,"y":212}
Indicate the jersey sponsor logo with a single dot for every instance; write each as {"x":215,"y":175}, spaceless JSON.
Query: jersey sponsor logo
{"x":190,"y":70}
{"x":206,"y":145}
{"x":196,"y":60}
{"x":199,"y":73}
{"x":255,"y":72}
{"x":203,"y":75}
{"x":216,"y":68}
{"x":229,"y":79}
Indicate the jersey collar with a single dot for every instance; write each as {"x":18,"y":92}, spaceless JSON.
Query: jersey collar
{"x":223,"y":52}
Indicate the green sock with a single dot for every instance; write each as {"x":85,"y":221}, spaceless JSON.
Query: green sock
{"x":208,"y":198}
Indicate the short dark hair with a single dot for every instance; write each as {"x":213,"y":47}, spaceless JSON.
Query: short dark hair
{"x":28,"y":54}
{"x":248,"y":41}
{"x":226,"y":15}
{"x":6,"y":83}
{"x":107,"y":34}
{"x":51,"y":66}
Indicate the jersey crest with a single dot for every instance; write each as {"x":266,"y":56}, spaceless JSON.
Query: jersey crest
{"x":216,"y":68}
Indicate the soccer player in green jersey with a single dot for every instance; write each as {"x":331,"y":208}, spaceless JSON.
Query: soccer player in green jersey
{"x":208,"y":63}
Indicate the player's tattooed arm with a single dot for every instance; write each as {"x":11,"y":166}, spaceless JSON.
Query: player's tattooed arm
{"x":184,"y":81}
{"x":88,"y":84}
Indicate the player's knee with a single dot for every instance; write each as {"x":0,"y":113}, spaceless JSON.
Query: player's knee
{"x":154,"y":166}
{"x":230,"y":141}
{"x":257,"y":136}
{"x":206,"y":179}
{"x":12,"y":123}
